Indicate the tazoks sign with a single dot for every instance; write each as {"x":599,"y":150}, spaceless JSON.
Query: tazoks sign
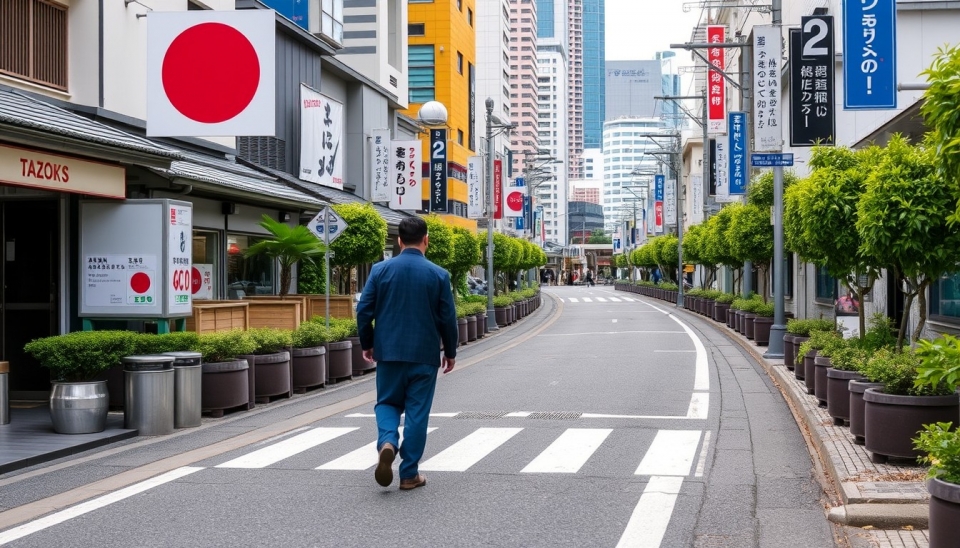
{"x":23,"y":167}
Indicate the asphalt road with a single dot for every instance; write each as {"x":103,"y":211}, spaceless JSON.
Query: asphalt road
{"x":602,"y":420}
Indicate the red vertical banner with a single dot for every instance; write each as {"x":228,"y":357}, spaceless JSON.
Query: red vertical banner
{"x":497,"y":189}
{"x":658,"y":217}
{"x":716,"y":86}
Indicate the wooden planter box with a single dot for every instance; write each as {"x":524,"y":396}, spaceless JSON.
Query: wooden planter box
{"x":213,"y":316}
{"x":275,"y":313}
{"x":341,"y":306}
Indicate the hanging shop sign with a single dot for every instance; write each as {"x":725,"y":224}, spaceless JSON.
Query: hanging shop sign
{"x":321,"y":135}
{"x":812,"y":114}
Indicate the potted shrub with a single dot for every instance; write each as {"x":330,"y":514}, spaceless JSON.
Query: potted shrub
{"x":762,"y":323}
{"x":501,"y":306}
{"x":895,"y":413}
{"x":827,"y":342}
{"x":940,"y":445}
{"x":845,"y":365}
{"x":462,"y":330}
{"x":720,"y":306}
{"x":272,"y":374}
{"x":78,"y":402}
{"x":809,"y":350}
{"x":790,"y":344}
{"x":227,"y":379}
{"x":309,"y":356}
{"x":358,"y":365}
{"x":339,"y":352}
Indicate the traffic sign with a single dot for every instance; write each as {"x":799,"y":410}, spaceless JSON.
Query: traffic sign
{"x":771,"y":160}
{"x":319,"y":225}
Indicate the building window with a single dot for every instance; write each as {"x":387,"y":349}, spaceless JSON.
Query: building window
{"x":331,"y":19}
{"x":459,"y":62}
{"x":470,"y":17}
{"x":247,"y":275}
{"x":460,"y":137}
{"x":460,"y":5}
{"x":421,"y":73}
{"x":206,"y":258}
{"x":826,"y":286}
{"x":416,"y":29}
{"x":34,"y":42}
{"x":945,"y":298}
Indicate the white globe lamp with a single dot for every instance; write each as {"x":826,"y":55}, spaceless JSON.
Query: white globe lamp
{"x":433,"y":113}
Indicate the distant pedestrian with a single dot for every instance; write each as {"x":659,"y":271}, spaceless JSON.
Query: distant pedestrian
{"x":589,"y":279}
{"x":411,"y":302}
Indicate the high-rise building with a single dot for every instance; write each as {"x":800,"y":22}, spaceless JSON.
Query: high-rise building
{"x":553,"y":115}
{"x":441,"y":59}
{"x":627,"y":165}
{"x":672,"y":116}
{"x":575,"y":89}
{"x":524,"y":86}
{"x":375,"y":42}
{"x":589,"y":194}
{"x":493,"y":70}
{"x":632,"y":88}
{"x":594,"y":62}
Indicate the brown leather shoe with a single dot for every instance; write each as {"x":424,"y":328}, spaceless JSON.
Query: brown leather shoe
{"x":384,"y":471}
{"x":412,"y":483}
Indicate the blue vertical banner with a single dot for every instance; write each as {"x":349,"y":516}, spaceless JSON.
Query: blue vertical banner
{"x":294,"y":10}
{"x":737,"y":153}
{"x":518,"y":221}
{"x":438,"y":170}
{"x":658,"y":188}
{"x":869,"y":54}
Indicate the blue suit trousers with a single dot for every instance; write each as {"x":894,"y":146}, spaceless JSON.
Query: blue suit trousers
{"x":405,"y":388}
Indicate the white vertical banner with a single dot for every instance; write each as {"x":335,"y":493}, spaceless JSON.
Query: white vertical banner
{"x":696,"y":206}
{"x":670,"y":203}
{"x":767,"y":132}
{"x":321,"y":134}
{"x":406,"y":170}
{"x":380,"y":165}
{"x":722,"y":161}
{"x":475,"y":187}
{"x":513,"y":199}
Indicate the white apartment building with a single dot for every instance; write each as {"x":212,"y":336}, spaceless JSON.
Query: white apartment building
{"x":627,"y":164}
{"x":375,"y":41}
{"x":525,"y":139}
{"x":493,"y":70}
{"x":553,"y":127}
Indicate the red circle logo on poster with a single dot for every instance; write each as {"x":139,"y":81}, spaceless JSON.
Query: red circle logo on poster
{"x":515,"y":201}
{"x":195,"y":279}
{"x":140,"y":282}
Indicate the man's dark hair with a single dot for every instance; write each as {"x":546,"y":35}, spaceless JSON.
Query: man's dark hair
{"x":412,"y":230}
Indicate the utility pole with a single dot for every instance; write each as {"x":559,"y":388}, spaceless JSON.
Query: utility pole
{"x":775,"y":347}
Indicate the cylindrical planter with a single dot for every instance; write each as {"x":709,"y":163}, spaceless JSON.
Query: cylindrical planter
{"x":482,"y":327}
{"x":339,"y":360}
{"x":720,"y":311}
{"x":503,"y":316}
{"x":856,"y":389}
{"x":788,"y":351}
{"x":79,"y":407}
{"x":511,"y":314}
{"x":731,"y":317}
{"x":738,"y":321}
{"x":748,"y":324}
{"x":761,"y":330}
{"x":272,"y":376}
{"x":309,"y":367}
{"x":462,"y":330}
{"x":471,"y":328}
{"x":711,"y":304}
{"x":838,"y":395}
{"x":944,"y":513}
{"x":797,"y":341}
{"x":225,"y":385}
{"x":809,"y":370}
{"x":821,"y":364}
{"x":360,"y":365}
{"x":892,"y":421}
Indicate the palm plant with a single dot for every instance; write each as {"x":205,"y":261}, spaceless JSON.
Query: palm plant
{"x":289,"y":245}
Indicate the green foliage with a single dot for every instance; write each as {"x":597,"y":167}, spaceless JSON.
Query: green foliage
{"x":668,"y":251}
{"x":764,"y":310}
{"x":939,"y":363}
{"x":716,"y":247}
{"x":693,"y":244}
{"x":725,"y":298}
{"x":851,"y":357}
{"x":288,"y":245}
{"x":898,"y":373}
{"x":466,"y":254}
{"x":941,"y":443}
{"x":804,"y":327}
{"x":311,"y":278}
{"x":750,"y":234}
{"x":941,"y":112}
{"x":598,"y":237}
{"x":825,"y":342}
{"x":224,"y":346}
{"x":82,"y":355}
{"x":879,"y":333}
{"x":310,"y":335}
{"x":346,"y":325}
{"x":502,"y":301}
{"x":363,"y":240}
{"x":760,"y":190}
{"x":503,"y":252}
{"x":178,"y":341}
{"x":440,"y":250}
{"x":269,"y":340}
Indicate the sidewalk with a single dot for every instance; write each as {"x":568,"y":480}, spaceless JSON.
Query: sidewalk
{"x":884,"y":505}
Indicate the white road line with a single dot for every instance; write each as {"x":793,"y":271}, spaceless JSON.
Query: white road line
{"x":587,"y":300}
{"x":672,"y":351}
{"x":361,"y":459}
{"x":601,"y":299}
{"x":645,"y":417}
{"x":702,"y":461}
{"x":629,"y":300}
{"x":699,"y":405}
{"x":573,"y":300}
{"x":468,"y":451}
{"x":568,"y":452}
{"x":519,"y":414}
{"x":613,"y":321}
{"x":59,"y":517}
{"x":650,"y":518}
{"x":285,"y":449}
{"x":701,"y":379}
{"x":372,"y":415}
{"x":606,"y":333}
{"x":670,"y":454}
{"x":616,"y":300}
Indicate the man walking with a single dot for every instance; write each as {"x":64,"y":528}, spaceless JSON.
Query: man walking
{"x":411,"y":302}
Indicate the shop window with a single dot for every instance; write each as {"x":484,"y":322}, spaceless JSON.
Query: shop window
{"x":945,"y":298}
{"x":206,"y":260}
{"x":247,"y":275}
{"x":826,"y":286}
{"x":33,"y":41}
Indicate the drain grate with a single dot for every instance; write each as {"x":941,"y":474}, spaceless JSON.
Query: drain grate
{"x":555,"y":415}
{"x":480,"y":415}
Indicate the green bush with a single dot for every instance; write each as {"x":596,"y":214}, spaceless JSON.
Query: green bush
{"x":347,"y":325}
{"x":939,"y":363}
{"x":224,"y":346}
{"x":898,"y":372}
{"x":803,"y":327}
{"x":941,"y":443}
{"x":502,"y":301}
{"x":179,"y":341}
{"x":725,"y":298}
{"x":475,"y":299}
{"x":82,"y":355}
{"x":696,"y":292}
{"x":825,"y":342}
{"x":849,"y":358}
{"x":881,"y":333}
{"x":764,"y":310}
{"x":310,"y":335}
{"x":270,"y":340}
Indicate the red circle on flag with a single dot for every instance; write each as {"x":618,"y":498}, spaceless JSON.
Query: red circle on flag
{"x":515,"y":201}
{"x":140,"y":282}
{"x":210,"y":72}
{"x":195,"y":279}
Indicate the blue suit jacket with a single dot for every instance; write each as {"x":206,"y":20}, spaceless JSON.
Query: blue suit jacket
{"x":412,"y":303}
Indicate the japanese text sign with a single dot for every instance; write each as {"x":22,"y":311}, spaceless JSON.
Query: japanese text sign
{"x":321,"y":132}
{"x":716,"y":86}
{"x":722,"y":168}
{"x":869,"y":54}
{"x":380,"y":166}
{"x":497,"y":189}
{"x":405,"y":171}
{"x":658,"y":188}
{"x":766,"y":87}
{"x":812,"y":119}
{"x":737,"y":151}
{"x":475,"y":190}
{"x":438,"y":170}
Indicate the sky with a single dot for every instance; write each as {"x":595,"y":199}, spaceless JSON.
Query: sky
{"x":637,"y":29}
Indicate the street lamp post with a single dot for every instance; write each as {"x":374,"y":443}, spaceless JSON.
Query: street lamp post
{"x":492,"y":121}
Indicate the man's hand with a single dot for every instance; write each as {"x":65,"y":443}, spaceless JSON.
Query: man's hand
{"x":368,"y":355}
{"x":448,"y":364}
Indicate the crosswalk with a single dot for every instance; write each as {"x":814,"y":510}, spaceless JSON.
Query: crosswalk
{"x":598,"y":299}
{"x":671,"y":452}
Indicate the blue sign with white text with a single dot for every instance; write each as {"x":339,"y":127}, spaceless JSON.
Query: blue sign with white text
{"x":737,"y":153}
{"x":869,"y":54}
{"x":658,"y":188}
{"x":771,"y":159}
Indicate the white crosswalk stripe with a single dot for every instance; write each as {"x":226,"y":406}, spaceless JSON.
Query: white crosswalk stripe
{"x":587,"y":300}
{"x":616,"y":300}
{"x":573,"y":300}
{"x":287,"y":448}
{"x":598,"y":300}
{"x":601,"y":299}
{"x":361,"y":459}
{"x":569,"y":452}
{"x":468,"y":451}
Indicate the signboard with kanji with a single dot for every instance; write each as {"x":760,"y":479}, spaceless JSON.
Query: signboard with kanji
{"x":405,"y":172}
{"x":812,"y":115}
{"x":767,"y":132}
{"x":716,"y":86}
{"x":438,"y":170}
{"x":869,"y":54}
{"x":380,"y":166}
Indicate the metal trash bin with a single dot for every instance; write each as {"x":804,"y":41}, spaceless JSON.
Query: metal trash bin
{"x":186,"y":392}
{"x":4,"y":392}
{"x":148,"y":394}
